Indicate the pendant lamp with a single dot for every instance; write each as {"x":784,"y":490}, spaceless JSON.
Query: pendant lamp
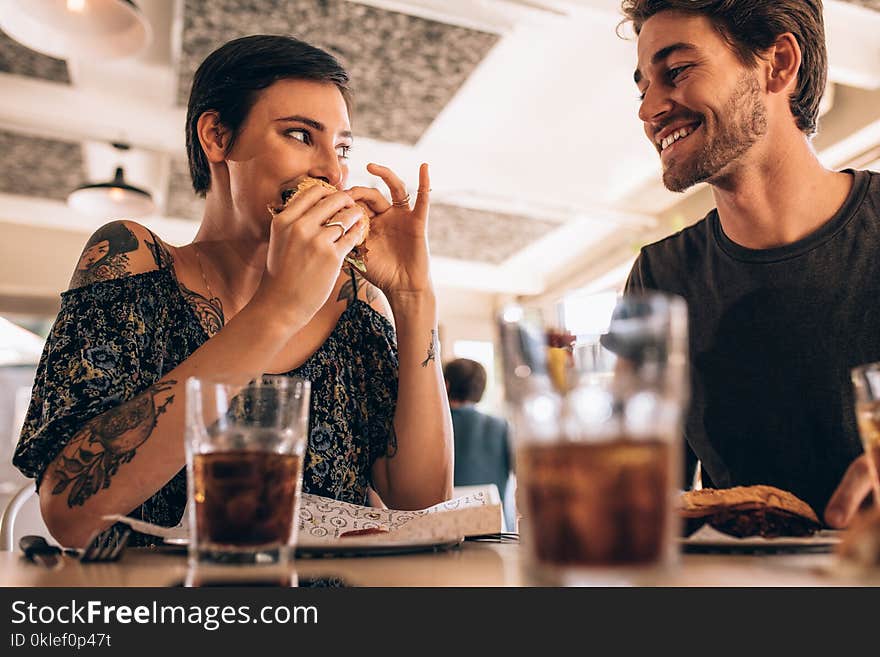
{"x":71,"y":29}
{"x":112,"y":199}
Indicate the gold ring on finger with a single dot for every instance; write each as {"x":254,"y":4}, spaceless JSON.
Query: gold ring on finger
{"x":336,"y":224}
{"x":402,"y":203}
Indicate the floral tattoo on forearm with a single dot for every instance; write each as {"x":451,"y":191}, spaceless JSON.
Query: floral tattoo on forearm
{"x":95,"y":453}
{"x":433,"y":348}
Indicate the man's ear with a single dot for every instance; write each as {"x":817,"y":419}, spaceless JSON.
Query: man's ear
{"x":784,"y":60}
{"x":213,"y":136}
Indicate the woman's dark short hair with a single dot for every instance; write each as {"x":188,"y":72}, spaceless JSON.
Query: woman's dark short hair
{"x":466,"y":380}
{"x":231,"y":77}
{"x":751,"y":27}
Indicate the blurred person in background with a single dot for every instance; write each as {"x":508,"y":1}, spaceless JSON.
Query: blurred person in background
{"x":482,"y":448}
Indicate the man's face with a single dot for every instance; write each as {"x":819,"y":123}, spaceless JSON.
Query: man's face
{"x":702,"y":108}
{"x":294,"y":129}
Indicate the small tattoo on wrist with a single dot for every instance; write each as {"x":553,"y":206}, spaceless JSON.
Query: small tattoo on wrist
{"x":433,"y":348}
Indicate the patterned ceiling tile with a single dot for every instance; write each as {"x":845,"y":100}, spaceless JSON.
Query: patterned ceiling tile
{"x":869,"y":4}
{"x":404,"y":69}
{"x":19,"y":60}
{"x":182,"y":200}
{"x":33,"y":166}
{"x":481,"y":236}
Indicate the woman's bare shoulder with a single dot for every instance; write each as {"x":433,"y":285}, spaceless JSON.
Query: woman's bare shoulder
{"x":355,"y":287}
{"x":117,"y":250}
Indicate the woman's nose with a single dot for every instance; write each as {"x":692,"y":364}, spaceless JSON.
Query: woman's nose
{"x":327,"y":166}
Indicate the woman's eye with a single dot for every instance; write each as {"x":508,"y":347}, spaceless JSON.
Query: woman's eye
{"x":300,"y":135}
{"x":342,"y":151}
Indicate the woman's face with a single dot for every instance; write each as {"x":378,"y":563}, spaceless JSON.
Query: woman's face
{"x":295,"y":128}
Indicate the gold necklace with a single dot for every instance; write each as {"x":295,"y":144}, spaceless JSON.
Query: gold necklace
{"x":202,"y":269}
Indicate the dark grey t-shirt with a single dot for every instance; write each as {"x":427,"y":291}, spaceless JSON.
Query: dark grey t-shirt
{"x":773,"y":336}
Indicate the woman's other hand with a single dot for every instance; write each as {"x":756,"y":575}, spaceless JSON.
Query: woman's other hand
{"x":398,"y":260}
{"x":307,"y":243}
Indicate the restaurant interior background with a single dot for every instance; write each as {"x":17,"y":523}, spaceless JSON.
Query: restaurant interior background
{"x":544,"y":186}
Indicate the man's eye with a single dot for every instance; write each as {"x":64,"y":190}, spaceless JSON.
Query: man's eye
{"x":673,"y":73}
{"x":343,"y":151}
{"x":300,"y":135}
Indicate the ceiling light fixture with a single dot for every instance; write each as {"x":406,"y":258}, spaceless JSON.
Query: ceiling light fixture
{"x":112,"y":199}
{"x":71,"y":29}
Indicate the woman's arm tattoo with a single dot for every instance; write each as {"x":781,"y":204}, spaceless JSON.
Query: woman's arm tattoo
{"x":433,"y":348}
{"x":349,"y":289}
{"x":95,"y":453}
{"x":208,"y":311}
{"x":104,"y":257}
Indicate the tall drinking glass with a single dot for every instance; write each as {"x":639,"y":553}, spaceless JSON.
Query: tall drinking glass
{"x":866,"y":385}
{"x":245,"y":450}
{"x":597,"y":427}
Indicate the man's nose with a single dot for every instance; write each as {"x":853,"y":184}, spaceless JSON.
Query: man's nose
{"x":655,"y":104}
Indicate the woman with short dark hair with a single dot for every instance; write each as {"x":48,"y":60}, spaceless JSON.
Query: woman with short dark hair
{"x":257,"y":291}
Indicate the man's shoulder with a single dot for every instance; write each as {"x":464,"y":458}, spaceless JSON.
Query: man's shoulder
{"x":873,"y":184}
{"x":668,"y":264}
{"x":685,"y":241}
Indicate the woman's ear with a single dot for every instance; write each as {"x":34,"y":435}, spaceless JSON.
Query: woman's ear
{"x":213,"y":136}
{"x":784,"y":58}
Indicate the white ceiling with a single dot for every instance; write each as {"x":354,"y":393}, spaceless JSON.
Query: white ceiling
{"x":544,"y":127}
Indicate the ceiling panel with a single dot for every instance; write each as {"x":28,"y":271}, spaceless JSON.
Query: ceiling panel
{"x":404,"y":69}
{"x":19,"y":60}
{"x":870,"y":4}
{"x":33,"y":166}
{"x":481,"y":236}
{"x":182,"y":200}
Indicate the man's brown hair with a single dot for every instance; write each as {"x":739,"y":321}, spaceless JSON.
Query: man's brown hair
{"x":465,"y":379}
{"x":751,"y":27}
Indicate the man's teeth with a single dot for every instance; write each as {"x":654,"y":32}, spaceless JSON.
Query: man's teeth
{"x":667,"y":141}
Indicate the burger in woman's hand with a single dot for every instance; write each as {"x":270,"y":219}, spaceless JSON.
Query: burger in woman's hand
{"x":357,"y":258}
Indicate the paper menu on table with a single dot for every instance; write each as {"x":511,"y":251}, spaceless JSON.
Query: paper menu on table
{"x":323,"y":520}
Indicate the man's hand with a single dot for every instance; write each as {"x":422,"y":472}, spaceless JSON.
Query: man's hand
{"x":851,"y":492}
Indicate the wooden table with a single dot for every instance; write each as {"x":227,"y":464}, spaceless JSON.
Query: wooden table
{"x":472,"y":564}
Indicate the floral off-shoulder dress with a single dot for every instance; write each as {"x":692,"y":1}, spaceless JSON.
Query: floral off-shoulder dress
{"x":115,"y":338}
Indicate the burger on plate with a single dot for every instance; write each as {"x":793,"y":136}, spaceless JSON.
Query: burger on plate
{"x":748,"y":511}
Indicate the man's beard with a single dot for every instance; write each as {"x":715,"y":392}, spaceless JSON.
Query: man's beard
{"x":742,"y":122}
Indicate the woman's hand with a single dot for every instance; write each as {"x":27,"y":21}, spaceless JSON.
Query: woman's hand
{"x":398,"y":261}
{"x":307,"y":243}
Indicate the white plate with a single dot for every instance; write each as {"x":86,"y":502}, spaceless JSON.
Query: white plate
{"x":707,"y":539}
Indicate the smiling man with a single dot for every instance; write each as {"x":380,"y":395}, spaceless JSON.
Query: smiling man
{"x":782,"y":278}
